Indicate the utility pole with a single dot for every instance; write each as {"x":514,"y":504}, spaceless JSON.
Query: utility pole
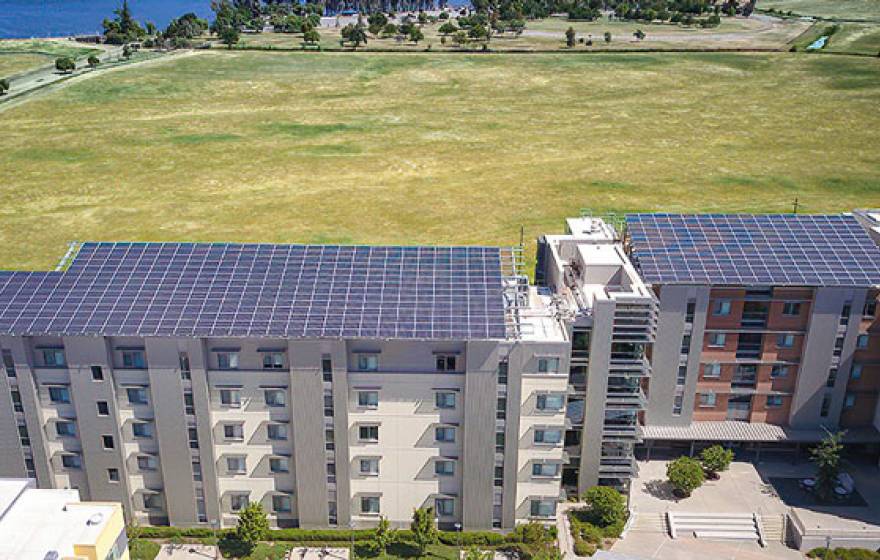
{"x":795,"y":205}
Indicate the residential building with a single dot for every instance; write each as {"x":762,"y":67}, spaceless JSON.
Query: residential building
{"x":46,"y":524}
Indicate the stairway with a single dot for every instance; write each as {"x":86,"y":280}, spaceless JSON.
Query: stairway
{"x":773,"y":527}
{"x":650,"y":523}
{"x":716,"y":526}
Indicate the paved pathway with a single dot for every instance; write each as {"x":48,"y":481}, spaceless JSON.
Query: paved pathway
{"x":187,"y":552}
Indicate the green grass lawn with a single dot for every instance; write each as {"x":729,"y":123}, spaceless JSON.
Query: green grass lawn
{"x":139,"y":549}
{"x":374,"y":148}
{"x":833,"y":9}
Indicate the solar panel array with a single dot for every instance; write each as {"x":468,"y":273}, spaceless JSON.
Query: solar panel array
{"x":237,"y":290}
{"x":761,"y":250}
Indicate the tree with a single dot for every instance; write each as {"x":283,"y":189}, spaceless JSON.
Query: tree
{"x":460,"y":38}
{"x":311,"y":36}
{"x":94,"y":61}
{"x":570,"y":37}
{"x":639,"y":34}
{"x":354,"y":34}
{"x":474,"y":553}
{"x":423,"y":18}
{"x":187,"y":26}
{"x":123,"y":28}
{"x":65,"y":64}
{"x":253,"y":525}
{"x":448,"y":28}
{"x":390,"y":30}
{"x":4,"y":86}
{"x":385,"y":535}
{"x":826,"y":457}
{"x":416,"y":35}
{"x":715,"y":459}
{"x":479,"y":32}
{"x":126,"y":52}
{"x":229,"y":36}
{"x":423,"y":528}
{"x":607,"y":36}
{"x":685,"y":474}
{"x":606,"y":506}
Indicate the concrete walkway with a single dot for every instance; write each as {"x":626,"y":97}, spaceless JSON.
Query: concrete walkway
{"x":563,"y":530}
{"x":187,"y":552}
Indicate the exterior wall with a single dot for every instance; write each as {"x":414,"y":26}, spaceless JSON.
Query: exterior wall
{"x":478,"y":446}
{"x":597,"y":388}
{"x":113,"y":531}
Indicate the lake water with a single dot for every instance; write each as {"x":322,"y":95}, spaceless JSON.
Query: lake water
{"x":59,"y":18}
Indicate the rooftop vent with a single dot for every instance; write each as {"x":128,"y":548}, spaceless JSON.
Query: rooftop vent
{"x":95,"y":519}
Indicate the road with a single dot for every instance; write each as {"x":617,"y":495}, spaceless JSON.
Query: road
{"x":47,"y":75}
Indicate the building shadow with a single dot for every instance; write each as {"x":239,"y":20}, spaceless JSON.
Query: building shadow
{"x":660,"y":489}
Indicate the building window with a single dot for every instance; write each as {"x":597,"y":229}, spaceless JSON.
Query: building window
{"x":236,"y":465}
{"x":545,"y":469}
{"x":368,"y":399}
{"x":113,"y":475}
{"x":707,"y":400}
{"x":368,"y":362}
{"x":550,"y":402}
{"x":97,"y":373}
{"x":153,"y":501}
{"x":832,"y":378}
{"x":370,"y":505}
{"x":444,"y":434}
{"x":826,"y":406}
{"x":444,"y":507}
{"x":327,"y":368}
{"x":193,"y":436}
{"x":779,"y":371}
{"x":685,"y":344}
{"x":548,"y":436}
{"x":444,"y":399}
{"x":133,"y":359}
{"x":543,"y":508}
{"x":681,"y":378}
{"x":53,"y":357}
{"x":59,"y":395}
{"x":71,"y":461}
{"x":774,"y":401}
{"x":17,"y":405}
{"x":197,"y":469}
{"x":791,"y":308}
{"x":230,"y":397}
{"x":277,"y":431}
{"x":107,"y":442}
{"x":279,"y":465}
{"x":328,"y":405}
{"x":136,"y":395}
{"x":65,"y":429}
{"x":501,"y":408}
{"x":8,"y":363}
{"x":785,"y":340}
{"x":862,"y":341}
{"x":690,"y":311}
{"x":233,"y":431}
{"x":227,"y":360}
{"x":677,"y":405}
{"x":189,"y":406}
{"x":142,"y":430}
{"x":185,"y":371}
{"x":502,"y":372}
{"x":281,"y":503}
{"x":368,"y":433}
{"x":443,"y":467}
{"x":548,"y":365}
{"x":445,"y":362}
{"x":273,"y":360}
{"x":856,"y":372}
{"x":721,"y":307}
{"x":274,"y":397}
{"x":849,"y":400}
{"x":369,"y":466}
{"x":870,"y":309}
{"x":103,"y":408}
{"x":23,"y":435}
{"x":712,"y":370}
{"x":717,"y":339}
{"x":238,"y":502}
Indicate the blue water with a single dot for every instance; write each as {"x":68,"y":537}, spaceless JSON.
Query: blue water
{"x":59,"y":18}
{"x":818,"y":43}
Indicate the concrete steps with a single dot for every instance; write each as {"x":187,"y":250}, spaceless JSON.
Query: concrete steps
{"x":719,"y":526}
{"x":773,"y":527}
{"x":650,"y":523}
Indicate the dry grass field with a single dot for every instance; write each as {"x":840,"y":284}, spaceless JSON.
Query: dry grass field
{"x":291,"y":147}
{"x":868,"y":10}
{"x":19,"y":55}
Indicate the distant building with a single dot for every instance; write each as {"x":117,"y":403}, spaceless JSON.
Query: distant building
{"x":56,"y":525}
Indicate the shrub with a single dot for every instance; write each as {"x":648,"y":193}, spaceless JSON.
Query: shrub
{"x":716,"y":459}
{"x":94,"y":61}
{"x":582,"y":548}
{"x":367,"y":549}
{"x":685,"y":474}
{"x":606,"y":505}
{"x":844,"y":554}
{"x":532,"y":533}
{"x":590,"y":533}
{"x":474,"y":538}
{"x":231,"y":545}
{"x":4,"y":86}
{"x":65,"y":64}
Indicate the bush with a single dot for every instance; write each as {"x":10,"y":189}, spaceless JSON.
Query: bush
{"x":65,"y":64}
{"x":142,"y":550}
{"x":605,"y":505}
{"x":685,"y":474}
{"x":589,"y":533}
{"x":474,"y":538}
{"x":231,"y":546}
{"x":367,"y":549}
{"x":582,"y":548}
{"x":532,"y":533}
{"x":844,"y":554}
{"x":716,"y":459}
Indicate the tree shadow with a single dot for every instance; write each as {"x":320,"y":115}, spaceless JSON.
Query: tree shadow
{"x":660,"y":489}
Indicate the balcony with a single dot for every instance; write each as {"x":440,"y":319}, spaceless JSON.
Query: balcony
{"x":618,"y":466}
{"x":738,"y":410}
{"x":629,"y":366}
{"x":625,"y":397}
{"x":621,"y":432}
{"x":748,"y":351}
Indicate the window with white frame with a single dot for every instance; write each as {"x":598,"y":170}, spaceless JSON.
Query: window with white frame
{"x":233,"y":431}
{"x":273,"y":360}
{"x":369,"y":466}
{"x":548,"y":365}
{"x":785,"y":340}
{"x":707,"y":400}
{"x":550,"y":402}
{"x":236,"y":464}
{"x":548,"y":436}
{"x":368,"y":399}
{"x":146,"y":463}
{"x":133,"y":359}
{"x":276,"y":431}
{"x":445,"y":362}
{"x":230,"y":397}
{"x":444,"y":467}
{"x":543,"y":508}
{"x":717,"y":339}
{"x":368,"y":362}
{"x":712,"y":370}
{"x":444,"y":399}
{"x":71,"y":461}
{"x":279,"y":464}
{"x":281,"y":503}
{"x":545,"y":469}
{"x":721,"y":307}
{"x":142,"y":429}
{"x":238,"y":502}
{"x":791,"y":308}
{"x":370,"y":505}
{"x":153,"y":500}
{"x":444,"y":507}
{"x":227,"y":360}
{"x":53,"y":357}
{"x":136,"y":395}
{"x":444,"y":434}
{"x":368,"y":432}
{"x":275,"y":397}
{"x":65,"y":428}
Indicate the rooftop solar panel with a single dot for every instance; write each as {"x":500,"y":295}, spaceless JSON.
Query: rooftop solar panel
{"x":212,"y":289}
{"x":746,"y":249}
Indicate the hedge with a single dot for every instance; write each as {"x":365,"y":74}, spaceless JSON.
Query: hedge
{"x":844,"y":554}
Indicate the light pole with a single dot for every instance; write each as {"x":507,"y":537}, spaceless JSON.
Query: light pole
{"x":458,"y":529}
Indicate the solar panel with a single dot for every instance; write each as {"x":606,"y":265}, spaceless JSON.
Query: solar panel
{"x":746,"y":249}
{"x":213,"y":289}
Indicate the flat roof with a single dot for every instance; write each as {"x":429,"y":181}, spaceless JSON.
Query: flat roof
{"x":732,"y":430}
{"x":754,"y":249}
{"x":261,"y":290}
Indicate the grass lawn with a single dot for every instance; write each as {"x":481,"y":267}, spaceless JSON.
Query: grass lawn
{"x":549,"y":35}
{"x":18,"y":55}
{"x":139,"y":549}
{"x":374,"y":148}
{"x":832,"y":9}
